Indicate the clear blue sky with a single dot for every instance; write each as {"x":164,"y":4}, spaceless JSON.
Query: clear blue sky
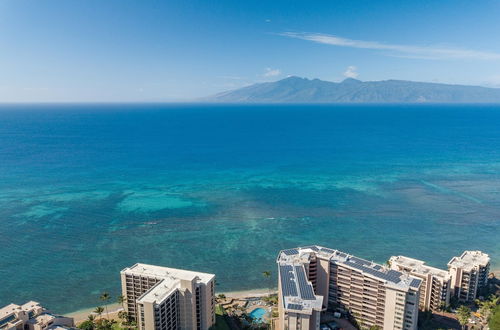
{"x":125,"y":50}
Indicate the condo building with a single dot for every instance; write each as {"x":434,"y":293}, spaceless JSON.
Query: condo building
{"x":469,"y":273}
{"x":31,"y":316}
{"x":161,"y":298}
{"x":436,"y":283}
{"x":315,"y":279}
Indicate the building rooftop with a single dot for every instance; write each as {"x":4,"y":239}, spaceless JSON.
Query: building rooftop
{"x":30,"y":306}
{"x":298,"y":293}
{"x":42,"y":318}
{"x":469,"y":260}
{"x":14,"y":308}
{"x":7,"y":310}
{"x":59,"y":327}
{"x":14,"y":315}
{"x":167,"y":273}
{"x":390,"y":277}
{"x":418,"y":266}
{"x":159,"y":292}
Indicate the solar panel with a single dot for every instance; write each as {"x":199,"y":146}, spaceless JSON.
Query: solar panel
{"x":287,"y":281}
{"x":312,"y":247}
{"x":391,"y":275}
{"x":327,"y":250}
{"x":291,"y":252}
{"x":306,"y":290}
{"x":359,"y":261}
{"x":294,"y":306}
{"x":415,"y":282}
{"x":392,"y":272}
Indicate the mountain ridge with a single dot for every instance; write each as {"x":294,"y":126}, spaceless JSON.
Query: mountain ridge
{"x":296,"y":89}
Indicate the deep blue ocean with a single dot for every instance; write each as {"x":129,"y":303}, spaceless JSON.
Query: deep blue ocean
{"x":86,"y":190}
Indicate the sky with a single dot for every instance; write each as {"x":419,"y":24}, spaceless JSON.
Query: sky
{"x":154,"y":51}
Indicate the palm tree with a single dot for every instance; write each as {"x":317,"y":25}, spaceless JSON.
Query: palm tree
{"x":486,"y":307}
{"x":88,"y":324}
{"x":121,"y":300}
{"x":105,"y":297}
{"x":463,"y":315}
{"x":98,"y":310}
{"x":124,"y":317}
{"x":267,"y":275}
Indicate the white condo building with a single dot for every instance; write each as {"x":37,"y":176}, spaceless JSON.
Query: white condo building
{"x":313,"y":279}
{"x":469,"y":273}
{"x":161,"y":298}
{"x":436,"y":283}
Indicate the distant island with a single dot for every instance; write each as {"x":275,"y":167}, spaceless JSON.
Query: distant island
{"x":302,"y":90}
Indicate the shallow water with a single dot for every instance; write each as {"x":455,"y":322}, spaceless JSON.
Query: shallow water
{"x":86,"y":190}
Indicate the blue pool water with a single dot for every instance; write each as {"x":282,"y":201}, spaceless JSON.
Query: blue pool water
{"x":258,"y":314}
{"x":86,"y":190}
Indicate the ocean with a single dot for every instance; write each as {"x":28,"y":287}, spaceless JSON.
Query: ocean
{"x":88,"y":189}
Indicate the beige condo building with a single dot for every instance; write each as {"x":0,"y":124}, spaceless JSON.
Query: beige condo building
{"x":314,"y":279}
{"x":436,"y":283}
{"x":469,"y":273}
{"x":32,"y":316}
{"x":161,"y":298}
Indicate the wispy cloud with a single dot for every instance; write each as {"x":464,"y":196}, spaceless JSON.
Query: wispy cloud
{"x":271,"y":72}
{"x":351,"y":72}
{"x":407,"y":51}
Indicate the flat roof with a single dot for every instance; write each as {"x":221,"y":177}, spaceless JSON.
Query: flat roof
{"x":167,"y":273}
{"x":159,"y":292}
{"x":30,"y":305}
{"x":297,"y":290}
{"x":419,"y":266}
{"x":12,"y":308}
{"x":469,"y":260}
{"x":390,"y":277}
{"x":9,"y":309}
{"x":42,"y":318}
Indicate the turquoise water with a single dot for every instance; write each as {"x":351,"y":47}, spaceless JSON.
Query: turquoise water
{"x":86,"y":190}
{"x":258,"y":314}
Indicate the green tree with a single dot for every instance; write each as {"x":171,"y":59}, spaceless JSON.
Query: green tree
{"x":121,"y":300}
{"x":105,"y":324}
{"x":87,"y":325}
{"x":122,"y":315}
{"x":463,"y":315}
{"x":267,"y":275}
{"x":105,"y":297}
{"x":494,"y":322}
{"x":442,"y":307}
{"x":99,"y":310}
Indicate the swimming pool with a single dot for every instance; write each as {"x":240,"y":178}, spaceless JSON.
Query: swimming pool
{"x":258,"y":314}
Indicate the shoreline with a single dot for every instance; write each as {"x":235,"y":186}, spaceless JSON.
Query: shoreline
{"x":113,"y":309}
{"x":82,"y":314}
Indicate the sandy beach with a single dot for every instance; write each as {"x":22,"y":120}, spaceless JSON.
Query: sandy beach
{"x":81,"y":315}
{"x":113,"y":309}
